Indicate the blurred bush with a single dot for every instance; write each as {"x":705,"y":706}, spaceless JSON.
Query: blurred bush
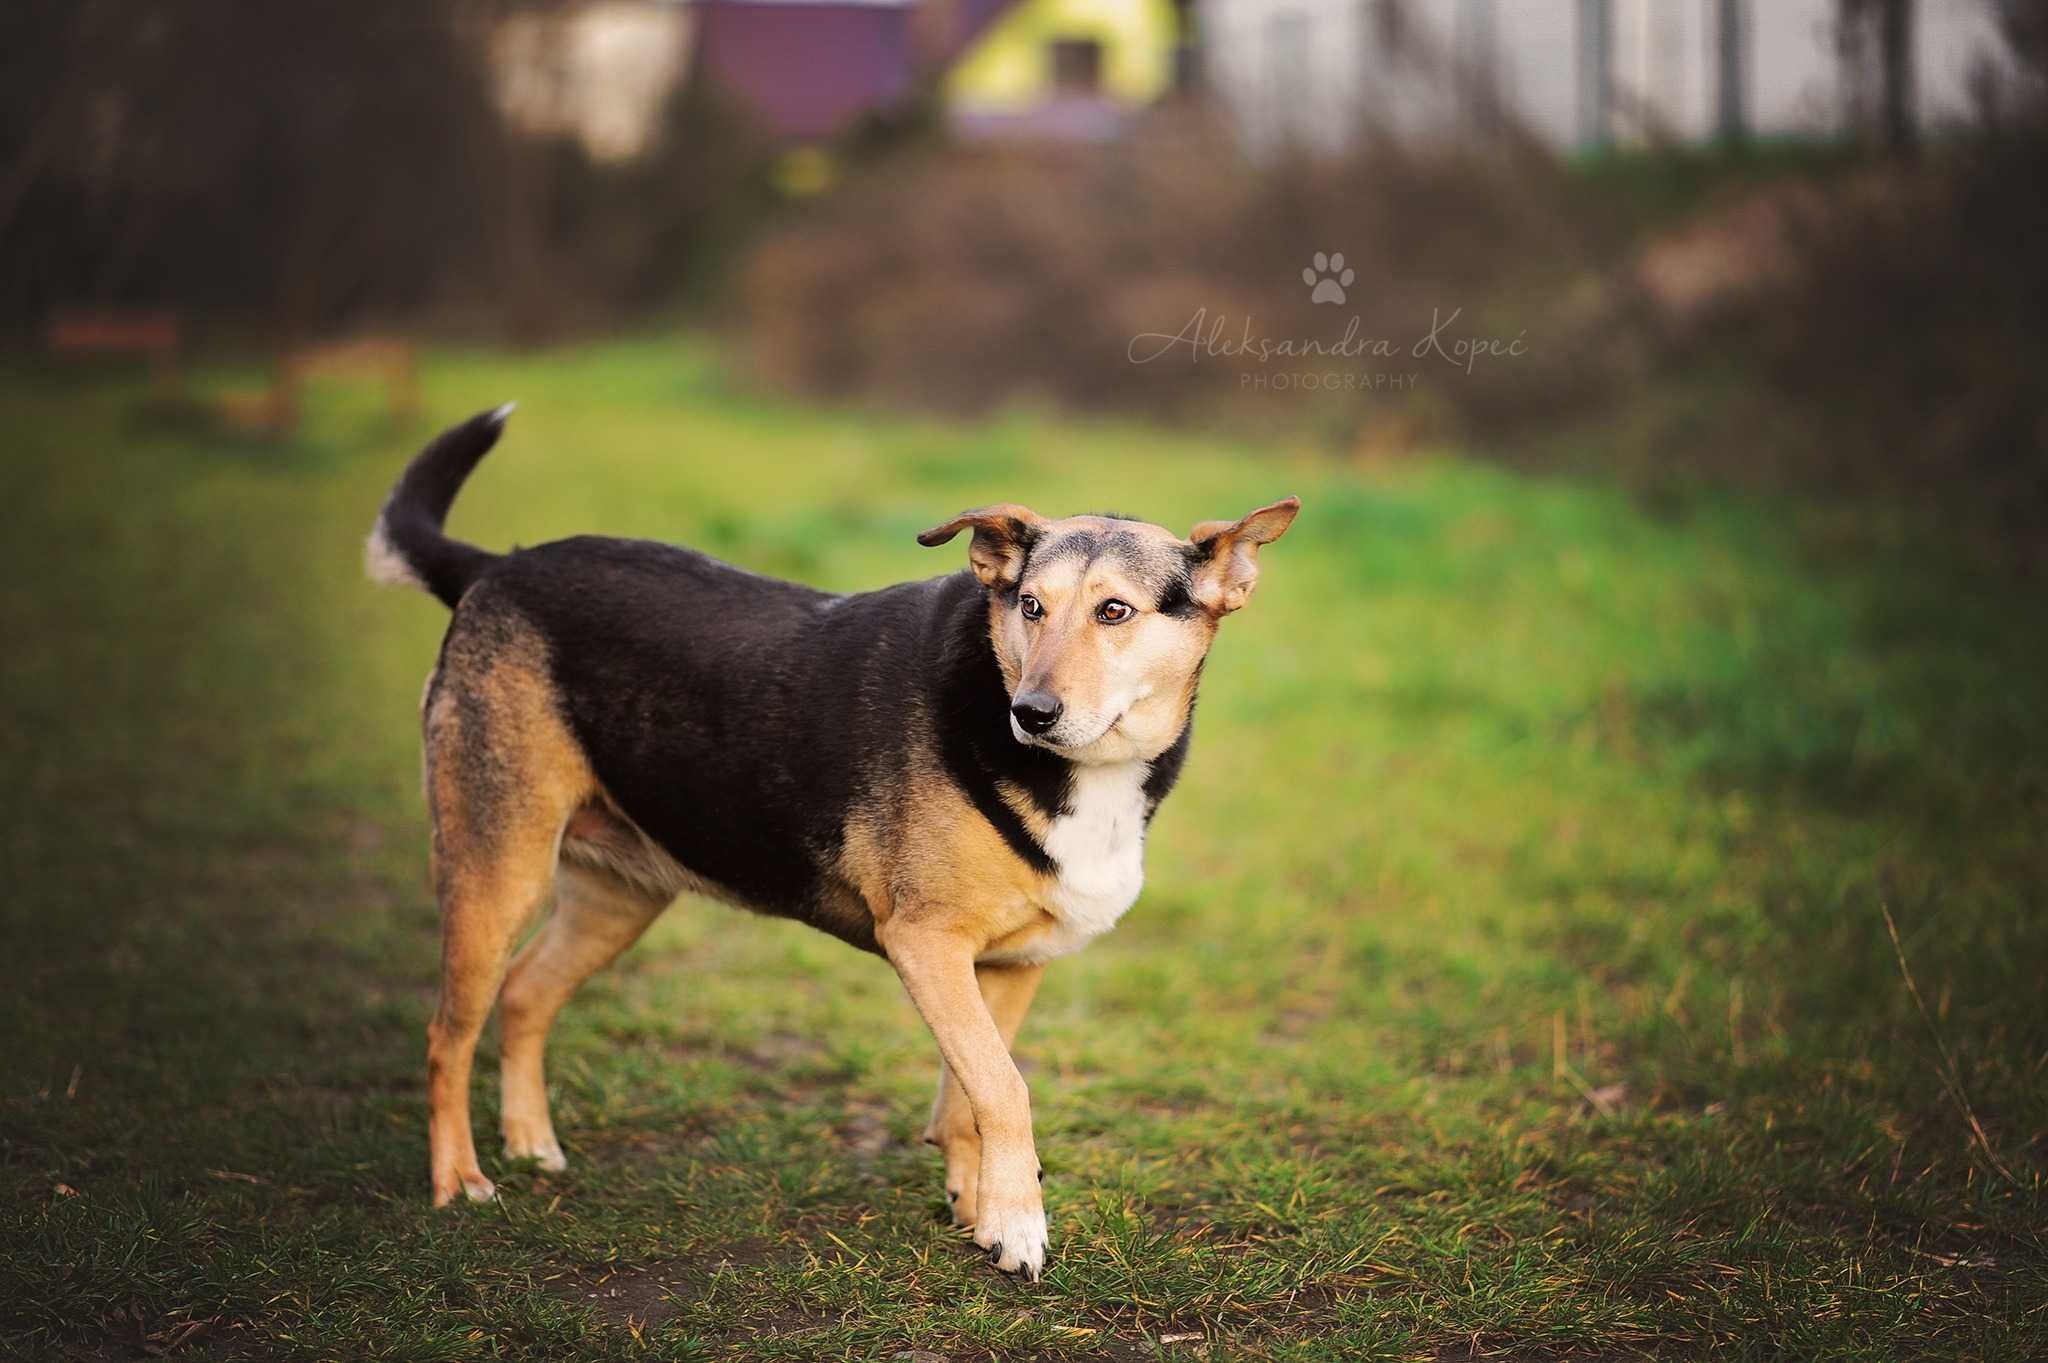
{"x":618,"y":241}
{"x":963,"y":278}
{"x":1884,"y":333}
{"x":282,"y":162}
{"x":294,"y":170}
{"x":1858,"y":321}
{"x":1835,"y":319}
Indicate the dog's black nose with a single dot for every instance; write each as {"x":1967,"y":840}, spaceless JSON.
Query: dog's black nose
{"x":1036,"y":711}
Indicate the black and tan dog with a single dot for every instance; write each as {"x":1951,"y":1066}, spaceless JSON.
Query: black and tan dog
{"x":955,"y":774}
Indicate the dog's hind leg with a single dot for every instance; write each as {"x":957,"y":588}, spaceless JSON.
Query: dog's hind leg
{"x":597,"y":916}
{"x":503,"y":778}
{"x":1008,"y":991}
{"x":484,"y":903}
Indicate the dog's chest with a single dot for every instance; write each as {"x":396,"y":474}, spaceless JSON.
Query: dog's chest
{"x":1099,"y":846}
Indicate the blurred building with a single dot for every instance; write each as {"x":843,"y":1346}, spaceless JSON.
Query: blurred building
{"x":1067,"y":70}
{"x":811,"y":70}
{"x":1569,"y":73}
{"x":600,"y":71}
{"x":1581,"y":73}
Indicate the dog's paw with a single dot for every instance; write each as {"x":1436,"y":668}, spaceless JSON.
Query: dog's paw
{"x":1015,"y":1239}
{"x":963,"y":1182}
{"x":960,"y":1201}
{"x":473,"y":1185}
{"x":962,"y":1150}
{"x":544,"y":1151}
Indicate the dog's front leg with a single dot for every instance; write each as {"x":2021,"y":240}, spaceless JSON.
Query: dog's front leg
{"x":937,"y":968}
{"x":1007,"y":991}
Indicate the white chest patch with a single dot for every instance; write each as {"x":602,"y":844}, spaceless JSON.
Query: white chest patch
{"x":1100,"y":849}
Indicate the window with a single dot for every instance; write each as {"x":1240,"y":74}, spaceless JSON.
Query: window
{"x":1077,"y":66}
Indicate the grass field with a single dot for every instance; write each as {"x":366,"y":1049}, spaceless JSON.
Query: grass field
{"x":1512,"y":977}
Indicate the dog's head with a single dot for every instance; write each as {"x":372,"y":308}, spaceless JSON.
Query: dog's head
{"x":1100,"y":624}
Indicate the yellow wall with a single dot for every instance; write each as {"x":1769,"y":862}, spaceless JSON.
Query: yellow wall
{"x":1010,"y":68}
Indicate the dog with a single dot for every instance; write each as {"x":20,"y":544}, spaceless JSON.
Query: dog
{"x":955,"y":774}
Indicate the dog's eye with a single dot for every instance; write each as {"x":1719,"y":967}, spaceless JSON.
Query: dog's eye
{"x":1029,"y":605}
{"x":1113,"y":612}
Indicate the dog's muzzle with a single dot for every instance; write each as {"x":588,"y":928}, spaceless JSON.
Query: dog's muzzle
{"x":1036,"y":711}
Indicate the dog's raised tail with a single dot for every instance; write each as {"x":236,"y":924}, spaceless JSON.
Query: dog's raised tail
{"x":407,"y":545}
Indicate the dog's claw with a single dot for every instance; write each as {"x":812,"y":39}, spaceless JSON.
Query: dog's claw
{"x":1015,"y":1240}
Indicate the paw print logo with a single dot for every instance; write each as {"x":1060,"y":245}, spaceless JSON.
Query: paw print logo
{"x":1327,"y":278}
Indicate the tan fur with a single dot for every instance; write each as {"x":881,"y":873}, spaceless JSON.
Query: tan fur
{"x":995,"y":552}
{"x":935,"y":961}
{"x":596,"y":917}
{"x":519,"y":815}
{"x":503,"y":777}
{"x":1007,"y":991}
{"x":909,"y":856}
{"x":1134,"y":681}
{"x":1226,"y":584}
{"x":598,"y":837}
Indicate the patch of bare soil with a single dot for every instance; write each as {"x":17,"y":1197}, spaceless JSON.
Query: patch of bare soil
{"x":629,"y":1295}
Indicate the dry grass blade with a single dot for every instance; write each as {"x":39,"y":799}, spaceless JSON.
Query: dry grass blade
{"x":1951,"y":1077}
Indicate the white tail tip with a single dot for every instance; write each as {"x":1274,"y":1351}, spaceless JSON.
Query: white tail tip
{"x":383,"y":562}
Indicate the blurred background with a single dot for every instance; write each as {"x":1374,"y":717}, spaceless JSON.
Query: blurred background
{"x":1603,"y":911}
{"x":1784,"y":241}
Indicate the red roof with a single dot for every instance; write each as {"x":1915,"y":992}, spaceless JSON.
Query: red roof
{"x":811,"y":67}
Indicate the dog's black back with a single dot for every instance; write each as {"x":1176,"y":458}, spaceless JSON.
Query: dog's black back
{"x":738,"y":720}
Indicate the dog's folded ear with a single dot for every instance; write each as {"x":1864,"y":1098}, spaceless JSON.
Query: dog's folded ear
{"x":1003,"y":535}
{"x":1227,"y":554}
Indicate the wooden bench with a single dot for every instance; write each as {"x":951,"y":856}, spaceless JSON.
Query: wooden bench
{"x":275,"y":410}
{"x":272,"y":409}
{"x":158,"y":336}
{"x":391,"y":359}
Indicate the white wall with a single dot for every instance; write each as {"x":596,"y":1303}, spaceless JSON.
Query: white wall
{"x":1315,"y":71}
{"x":1795,"y":84}
{"x":1954,"y":43}
{"x":601,"y":71}
{"x":1663,"y":70}
{"x":1539,"y":74}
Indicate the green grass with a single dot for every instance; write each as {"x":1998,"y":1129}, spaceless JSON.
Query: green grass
{"x":1511,"y":979}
